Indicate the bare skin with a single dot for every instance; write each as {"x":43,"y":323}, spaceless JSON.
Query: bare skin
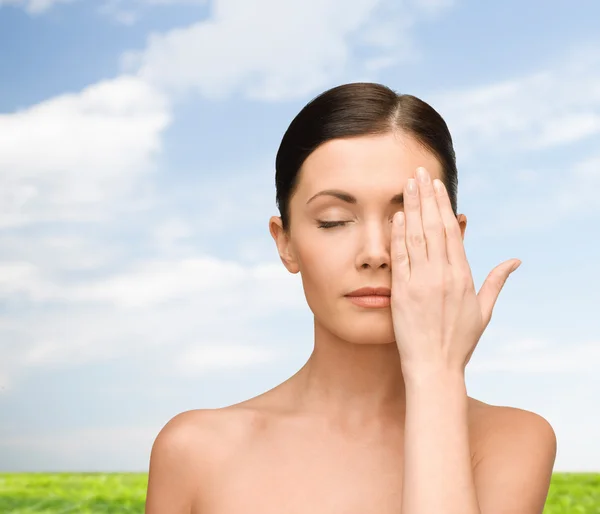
{"x":330,"y":439}
{"x":272,"y":459}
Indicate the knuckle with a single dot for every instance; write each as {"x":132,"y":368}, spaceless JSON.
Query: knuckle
{"x":416,"y":240}
{"x":435,"y":228}
{"x":401,"y":257}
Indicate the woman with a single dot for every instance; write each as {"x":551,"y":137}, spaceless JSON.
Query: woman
{"x":378,"y":419}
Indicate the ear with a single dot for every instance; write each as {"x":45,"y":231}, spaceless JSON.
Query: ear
{"x":284,"y":244}
{"x":462,"y":222}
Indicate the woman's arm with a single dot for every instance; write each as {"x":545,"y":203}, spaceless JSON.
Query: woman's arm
{"x":438,"y":319}
{"x":513,"y":474}
{"x":438,"y":477}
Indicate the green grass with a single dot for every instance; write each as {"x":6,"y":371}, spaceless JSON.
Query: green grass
{"x":574,"y":493}
{"x":94,"y":493}
{"x":76,"y":493}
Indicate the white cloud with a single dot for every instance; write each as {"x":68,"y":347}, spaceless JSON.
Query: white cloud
{"x":56,"y":253}
{"x":34,"y":6}
{"x":203,"y":357}
{"x":153,"y":283}
{"x":547,"y":108}
{"x":525,"y":117}
{"x":5,"y":384}
{"x":538,"y":356}
{"x":271,"y":50}
{"x":216,"y":283}
{"x":172,"y":2}
{"x":567,"y":128}
{"x":128,"y":12}
{"x":580,"y":195}
{"x":435,"y":6}
{"x":559,"y":194}
{"x":125,"y":11}
{"x":170,"y":234}
{"x":71,"y":157}
{"x":155,"y":305}
{"x":17,"y":277}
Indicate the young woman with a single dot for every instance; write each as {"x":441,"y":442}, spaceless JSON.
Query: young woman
{"x":378,"y":420}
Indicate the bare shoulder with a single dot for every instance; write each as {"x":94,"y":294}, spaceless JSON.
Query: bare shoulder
{"x":172,"y":463}
{"x":515,"y":459}
{"x":188,"y":450}
{"x":495,"y":422}
{"x":204,"y":435}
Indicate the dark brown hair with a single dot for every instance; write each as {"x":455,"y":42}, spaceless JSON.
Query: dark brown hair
{"x":359,"y":109}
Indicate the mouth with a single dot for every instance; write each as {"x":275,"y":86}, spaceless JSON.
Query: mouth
{"x":371,"y":291}
{"x":371,"y":301}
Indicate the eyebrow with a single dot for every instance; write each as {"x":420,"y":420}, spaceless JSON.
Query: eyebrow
{"x":348,"y":198}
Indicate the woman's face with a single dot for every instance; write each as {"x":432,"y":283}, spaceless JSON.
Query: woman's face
{"x":335,"y":261}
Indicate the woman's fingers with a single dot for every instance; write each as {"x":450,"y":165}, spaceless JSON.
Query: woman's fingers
{"x":401,"y":261}
{"x":415,"y":237}
{"x":433,"y":227}
{"x":455,"y":249}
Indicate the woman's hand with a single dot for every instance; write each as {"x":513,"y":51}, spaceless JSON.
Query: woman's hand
{"x":438,"y":318}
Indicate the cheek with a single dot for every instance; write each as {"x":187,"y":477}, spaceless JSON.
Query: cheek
{"x":323,"y":279}
{"x":328,"y":261}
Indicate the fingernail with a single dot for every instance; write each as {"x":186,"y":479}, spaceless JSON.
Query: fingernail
{"x":411,"y":187}
{"x":515,"y":267}
{"x":422,"y":175}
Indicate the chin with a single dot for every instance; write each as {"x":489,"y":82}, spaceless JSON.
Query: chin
{"x":373,"y":342}
{"x":370,"y":333}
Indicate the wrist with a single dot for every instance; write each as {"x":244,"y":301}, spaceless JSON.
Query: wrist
{"x":418,"y":373}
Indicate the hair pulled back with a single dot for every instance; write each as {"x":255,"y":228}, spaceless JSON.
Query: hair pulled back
{"x":359,"y":109}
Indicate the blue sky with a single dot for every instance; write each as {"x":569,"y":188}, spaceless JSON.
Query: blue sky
{"x":138,"y":278}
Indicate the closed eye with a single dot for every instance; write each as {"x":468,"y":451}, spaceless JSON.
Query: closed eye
{"x":331,"y":224}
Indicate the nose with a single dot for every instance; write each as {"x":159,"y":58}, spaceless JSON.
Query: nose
{"x":376,"y":247}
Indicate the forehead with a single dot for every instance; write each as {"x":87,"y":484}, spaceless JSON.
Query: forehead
{"x":359,"y":162}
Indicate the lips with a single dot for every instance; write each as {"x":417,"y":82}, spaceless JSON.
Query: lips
{"x":371,"y":291}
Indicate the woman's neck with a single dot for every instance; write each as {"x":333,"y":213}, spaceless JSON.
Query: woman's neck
{"x":352,"y":384}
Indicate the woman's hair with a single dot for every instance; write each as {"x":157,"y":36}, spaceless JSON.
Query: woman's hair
{"x":359,"y":109}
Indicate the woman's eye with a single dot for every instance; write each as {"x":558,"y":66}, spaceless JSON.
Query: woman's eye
{"x":330,"y":224}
